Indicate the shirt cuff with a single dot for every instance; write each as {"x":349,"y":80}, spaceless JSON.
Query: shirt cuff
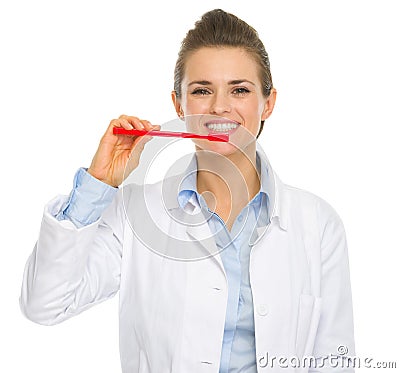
{"x":88,"y":199}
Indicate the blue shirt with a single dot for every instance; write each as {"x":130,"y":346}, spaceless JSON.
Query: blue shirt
{"x":90,"y":197}
{"x":238,"y":348}
{"x":87,"y":200}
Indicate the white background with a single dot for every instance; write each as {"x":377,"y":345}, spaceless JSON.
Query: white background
{"x":68,"y":68}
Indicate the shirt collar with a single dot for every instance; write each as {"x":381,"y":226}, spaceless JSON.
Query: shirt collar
{"x":278,"y":203}
{"x":263,"y":169}
{"x":189,"y":198}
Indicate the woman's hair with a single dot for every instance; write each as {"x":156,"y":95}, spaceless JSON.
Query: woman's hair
{"x":218,"y":28}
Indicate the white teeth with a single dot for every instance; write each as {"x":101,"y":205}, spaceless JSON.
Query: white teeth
{"x":223,"y":127}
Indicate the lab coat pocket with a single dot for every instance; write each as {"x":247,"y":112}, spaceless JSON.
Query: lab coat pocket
{"x":309,"y":313}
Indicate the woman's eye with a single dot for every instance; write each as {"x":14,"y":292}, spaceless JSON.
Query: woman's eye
{"x":200,"y":92}
{"x":240,"y":91}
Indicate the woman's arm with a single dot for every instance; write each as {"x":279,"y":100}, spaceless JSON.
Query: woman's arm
{"x":77,"y":258}
{"x":71,"y":268}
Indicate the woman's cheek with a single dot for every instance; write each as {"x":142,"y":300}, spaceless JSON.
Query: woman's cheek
{"x":197,"y":106}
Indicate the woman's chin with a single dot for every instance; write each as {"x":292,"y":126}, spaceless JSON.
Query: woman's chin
{"x":221,"y":148}
{"x":241,"y":141}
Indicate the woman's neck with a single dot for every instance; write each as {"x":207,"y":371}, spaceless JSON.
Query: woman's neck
{"x":227,"y":182}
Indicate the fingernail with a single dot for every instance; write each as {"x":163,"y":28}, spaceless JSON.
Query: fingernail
{"x":129,"y":125}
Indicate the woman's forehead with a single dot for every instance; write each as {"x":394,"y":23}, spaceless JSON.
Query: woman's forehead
{"x":220,"y":63}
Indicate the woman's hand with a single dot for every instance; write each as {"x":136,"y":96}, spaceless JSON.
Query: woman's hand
{"x":118,"y":155}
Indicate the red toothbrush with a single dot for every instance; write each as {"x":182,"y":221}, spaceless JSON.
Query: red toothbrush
{"x":223,"y":137}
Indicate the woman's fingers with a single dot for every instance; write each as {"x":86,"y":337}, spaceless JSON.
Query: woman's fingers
{"x":115,"y":151}
{"x":147,"y":125}
{"x":131,"y":122}
{"x":156,"y":127}
{"x":139,"y":124}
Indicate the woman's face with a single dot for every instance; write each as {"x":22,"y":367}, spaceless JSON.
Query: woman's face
{"x":223,"y":85}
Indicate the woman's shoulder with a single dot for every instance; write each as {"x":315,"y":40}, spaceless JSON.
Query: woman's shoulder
{"x":164,"y":191}
{"x":309,"y":205}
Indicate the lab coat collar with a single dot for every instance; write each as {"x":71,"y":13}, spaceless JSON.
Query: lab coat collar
{"x":277,"y":204}
{"x":277,"y":211}
{"x":196,"y":221}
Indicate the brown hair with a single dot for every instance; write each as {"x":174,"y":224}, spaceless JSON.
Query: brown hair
{"x":218,"y":28}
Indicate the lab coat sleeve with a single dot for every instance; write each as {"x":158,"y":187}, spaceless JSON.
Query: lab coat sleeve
{"x":335,"y":334}
{"x":70,"y":268}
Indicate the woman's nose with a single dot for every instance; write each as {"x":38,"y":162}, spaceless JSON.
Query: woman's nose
{"x":220,"y":104}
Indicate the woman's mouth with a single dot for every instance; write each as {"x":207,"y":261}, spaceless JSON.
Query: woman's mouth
{"x":222,"y":126}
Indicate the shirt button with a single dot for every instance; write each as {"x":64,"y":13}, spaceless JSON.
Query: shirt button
{"x":240,"y":218}
{"x":262,"y":309}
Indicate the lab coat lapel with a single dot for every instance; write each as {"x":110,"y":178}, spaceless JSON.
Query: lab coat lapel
{"x":194,"y":238}
{"x":201,"y":235}
{"x":190,"y":240}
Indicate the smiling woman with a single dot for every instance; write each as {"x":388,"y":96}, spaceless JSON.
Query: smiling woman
{"x":217,"y":30}
{"x":215,"y":84}
{"x":217,"y":266}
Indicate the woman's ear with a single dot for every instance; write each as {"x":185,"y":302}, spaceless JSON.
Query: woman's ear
{"x":177,"y":104}
{"x":269,"y":105}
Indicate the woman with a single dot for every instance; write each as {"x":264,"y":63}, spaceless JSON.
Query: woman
{"x":251,"y":270}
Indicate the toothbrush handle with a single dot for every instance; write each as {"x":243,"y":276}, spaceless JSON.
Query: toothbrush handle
{"x":134,"y":132}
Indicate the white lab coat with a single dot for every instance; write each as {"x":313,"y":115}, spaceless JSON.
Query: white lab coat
{"x":172,"y":312}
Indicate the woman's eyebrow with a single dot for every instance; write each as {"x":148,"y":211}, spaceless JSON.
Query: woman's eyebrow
{"x":201,"y":82}
{"x":231,"y":82}
{"x":240,"y":81}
